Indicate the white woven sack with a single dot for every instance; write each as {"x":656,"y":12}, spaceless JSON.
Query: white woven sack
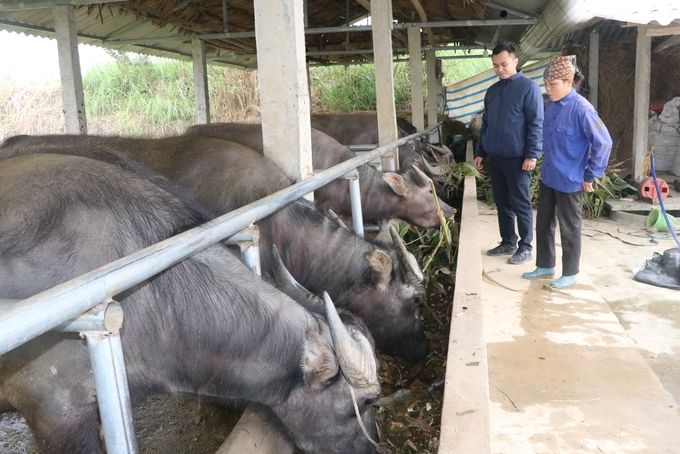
{"x":665,"y":139}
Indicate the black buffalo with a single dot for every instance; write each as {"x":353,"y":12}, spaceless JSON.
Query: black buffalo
{"x":203,"y":326}
{"x":405,"y":195}
{"x":384,"y":288}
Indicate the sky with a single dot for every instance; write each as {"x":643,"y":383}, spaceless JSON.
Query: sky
{"x":35,"y":59}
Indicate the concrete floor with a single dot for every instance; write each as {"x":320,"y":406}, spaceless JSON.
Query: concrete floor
{"x":592,"y":368}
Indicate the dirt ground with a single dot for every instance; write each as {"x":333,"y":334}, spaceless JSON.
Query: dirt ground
{"x":164,"y":425}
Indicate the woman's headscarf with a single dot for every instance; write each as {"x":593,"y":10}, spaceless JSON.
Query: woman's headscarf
{"x":562,"y":68}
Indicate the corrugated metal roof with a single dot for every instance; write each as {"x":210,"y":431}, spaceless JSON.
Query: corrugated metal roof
{"x":104,"y":24}
{"x":662,"y":12}
{"x":159,"y":22}
{"x":561,"y":17}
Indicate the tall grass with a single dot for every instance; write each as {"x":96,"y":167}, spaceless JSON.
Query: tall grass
{"x":350,"y":88}
{"x":144,"y":96}
{"x":456,"y":70}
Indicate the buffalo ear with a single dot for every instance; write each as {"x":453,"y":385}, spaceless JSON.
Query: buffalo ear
{"x":381,"y":267}
{"x":396,"y":182}
{"x":318,"y":363}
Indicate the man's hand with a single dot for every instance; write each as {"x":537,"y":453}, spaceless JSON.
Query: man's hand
{"x":588,"y":187}
{"x":478,"y":162}
{"x":529,"y":164}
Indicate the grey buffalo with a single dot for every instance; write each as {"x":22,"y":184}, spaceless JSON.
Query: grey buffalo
{"x":384,"y":288}
{"x":406,"y":195}
{"x":362,"y":128}
{"x":203,"y":326}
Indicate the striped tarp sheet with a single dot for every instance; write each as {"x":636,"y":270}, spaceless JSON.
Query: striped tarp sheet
{"x":466,"y":98}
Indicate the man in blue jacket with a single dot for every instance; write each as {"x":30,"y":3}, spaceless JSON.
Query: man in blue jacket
{"x":512,"y":136}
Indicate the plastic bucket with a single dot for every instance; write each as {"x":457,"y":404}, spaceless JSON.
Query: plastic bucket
{"x":656,"y":221}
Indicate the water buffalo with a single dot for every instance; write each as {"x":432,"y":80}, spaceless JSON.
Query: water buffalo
{"x":203,"y":326}
{"x":406,"y":195}
{"x":382,"y":287}
{"x":362,"y":128}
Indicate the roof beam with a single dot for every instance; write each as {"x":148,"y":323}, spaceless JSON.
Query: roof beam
{"x":12,"y":5}
{"x":465,"y":23}
{"x":657,"y":30}
{"x":323,"y":30}
{"x":398,"y":50}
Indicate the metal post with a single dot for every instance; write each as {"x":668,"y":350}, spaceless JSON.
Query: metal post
{"x":247,"y":241}
{"x":224,"y":16}
{"x":33,"y":316}
{"x":113,"y":395}
{"x":251,"y":256}
{"x":355,"y":199}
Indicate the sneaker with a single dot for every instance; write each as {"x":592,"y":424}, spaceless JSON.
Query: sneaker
{"x":521,"y":256}
{"x":502,"y":249}
{"x":539,"y":273}
{"x":564,"y":281}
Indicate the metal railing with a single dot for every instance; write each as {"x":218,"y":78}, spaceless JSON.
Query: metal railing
{"x":84,"y":304}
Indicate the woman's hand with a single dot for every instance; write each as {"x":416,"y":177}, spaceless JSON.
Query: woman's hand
{"x":588,"y":187}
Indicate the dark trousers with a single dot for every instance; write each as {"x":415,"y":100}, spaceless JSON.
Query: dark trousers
{"x":566,"y":206}
{"x":510,"y":185}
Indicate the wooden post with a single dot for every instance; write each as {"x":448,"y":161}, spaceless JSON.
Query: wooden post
{"x":284,"y":96}
{"x":72,"y":96}
{"x":416,"y":63}
{"x":381,"y":20}
{"x":200,"y":81}
{"x":593,"y":66}
{"x":643,"y":70}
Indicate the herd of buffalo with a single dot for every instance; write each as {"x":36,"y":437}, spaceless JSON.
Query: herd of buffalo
{"x":70,"y":204}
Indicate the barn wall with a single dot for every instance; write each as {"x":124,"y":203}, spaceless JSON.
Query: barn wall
{"x":616,"y":91}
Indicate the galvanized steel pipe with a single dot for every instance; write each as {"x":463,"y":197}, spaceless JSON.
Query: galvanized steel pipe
{"x":40,"y":313}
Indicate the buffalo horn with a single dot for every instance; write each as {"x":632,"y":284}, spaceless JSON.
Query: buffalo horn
{"x":433,"y":169}
{"x":355,"y":355}
{"x":288,"y":285}
{"x":335,"y":218}
{"x":419,"y":177}
{"x":408,"y":265}
{"x":443,"y":150}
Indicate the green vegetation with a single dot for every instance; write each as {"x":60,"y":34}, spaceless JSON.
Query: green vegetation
{"x":456,"y":70}
{"x":137,"y":95}
{"x":136,"y":87}
{"x":350,"y":88}
{"x":610,"y":186}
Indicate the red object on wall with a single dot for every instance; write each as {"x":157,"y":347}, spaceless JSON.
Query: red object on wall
{"x":657,"y":109}
{"x":647,"y":191}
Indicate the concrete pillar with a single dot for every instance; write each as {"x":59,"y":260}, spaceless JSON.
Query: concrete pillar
{"x":72,"y":96}
{"x":432,"y":89}
{"x":254,"y":434}
{"x":200,"y":81}
{"x":416,"y":63}
{"x":593,"y":66}
{"x":381,"y":20}
{"x":282,"y":75}
{"x":643,"y":73}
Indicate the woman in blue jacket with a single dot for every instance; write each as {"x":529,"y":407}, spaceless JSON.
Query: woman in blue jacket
{"x":576,"y":148}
